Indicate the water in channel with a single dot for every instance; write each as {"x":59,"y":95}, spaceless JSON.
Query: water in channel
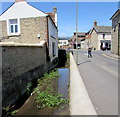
{"x":63,"y":83}
{"x":29,"y":108}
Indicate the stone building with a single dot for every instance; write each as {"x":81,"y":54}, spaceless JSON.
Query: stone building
{"x":80,"y":40}
{"x":100,"y":37}
{"x":22,"y":23}
{"x":87,"y":40}
{"x":116,"y":32}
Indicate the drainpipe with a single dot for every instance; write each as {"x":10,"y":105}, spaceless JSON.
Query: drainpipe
{"x":47,"y":44}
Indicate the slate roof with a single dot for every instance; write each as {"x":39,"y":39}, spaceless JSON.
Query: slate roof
{"x":103,"y":29}
{"x":63,"y":38}
{"x":115,"y":14}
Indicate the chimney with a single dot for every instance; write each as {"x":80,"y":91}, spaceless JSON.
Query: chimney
{"x":16,"y":1}
{"x":54,"y":10}
{"x":54,"y":13}
{"x":95,"y":23}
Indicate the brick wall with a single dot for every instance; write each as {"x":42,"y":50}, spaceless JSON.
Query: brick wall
{"x":20,"y":65}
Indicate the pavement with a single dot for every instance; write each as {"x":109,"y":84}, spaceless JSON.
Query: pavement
{"x":100,"y":77}
{"x":80,"y":102}
{"x":112,"y":55}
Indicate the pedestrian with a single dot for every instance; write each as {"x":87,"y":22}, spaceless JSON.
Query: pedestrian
{"x":89,"y":52}
{"x":72,"y":51}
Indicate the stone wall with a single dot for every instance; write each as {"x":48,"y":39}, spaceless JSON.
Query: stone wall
{"x":119,"y":34}
{"x":29,"y":30}
{"x":115,"y":35}
{"x":3,"y":30}
{"x":20,"y":65}
{"x":94,"y":40}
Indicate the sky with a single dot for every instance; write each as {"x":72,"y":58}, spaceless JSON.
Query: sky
{"x":87,"y":13}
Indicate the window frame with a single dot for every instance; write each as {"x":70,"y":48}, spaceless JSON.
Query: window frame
{"x":53,"y":49}
{"x":65,"y":43}
{"x":9,"y":32}
{"x":104,"y":36}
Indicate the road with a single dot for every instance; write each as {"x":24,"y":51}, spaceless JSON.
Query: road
{"x":100,"y":76}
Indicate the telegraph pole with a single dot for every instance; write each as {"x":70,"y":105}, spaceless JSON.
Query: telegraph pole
{"x":77,"y":31}
{"x":119,"y":5}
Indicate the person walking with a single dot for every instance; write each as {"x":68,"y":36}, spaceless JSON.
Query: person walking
{"x":89,"y":52}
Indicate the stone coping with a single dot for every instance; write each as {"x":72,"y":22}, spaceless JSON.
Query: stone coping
{"x":80,"y":102}
{"x":41,"y":44}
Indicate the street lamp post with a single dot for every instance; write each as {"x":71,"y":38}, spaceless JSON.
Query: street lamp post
{"x":77,"y":31}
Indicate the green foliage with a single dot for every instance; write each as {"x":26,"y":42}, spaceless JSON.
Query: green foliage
{"x":68,"y":57}
{"x":7,"y":108}
{"x":14,"y":112}
{"x":51,"y":75}
{"x":29,"y":88}
{"x":48,"y":97}
{"x":9,"y":112}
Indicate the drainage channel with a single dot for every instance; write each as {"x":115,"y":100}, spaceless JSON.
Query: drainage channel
{"x":63,"y":85}
{"x":30,"y":107}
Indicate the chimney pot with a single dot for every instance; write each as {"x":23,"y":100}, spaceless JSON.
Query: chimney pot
{"x":54,"y":10}
{"x":95,"y":23}
{"x":19,"y":1}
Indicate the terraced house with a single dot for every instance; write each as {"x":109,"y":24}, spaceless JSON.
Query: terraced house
{"x":29,"y":40}
{"x":80,"y":40}
{"x":100,"y":37}
{"x":22,"y":23}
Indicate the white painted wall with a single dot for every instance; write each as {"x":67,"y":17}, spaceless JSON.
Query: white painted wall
{"x":82,"y":44}
{"x":107,"y":36}
{"x":63,"y":42}
{"x":53,"y":37}
{"x":56,"y":22}
{"x":100,"y":37}
{"x":21,"y":10}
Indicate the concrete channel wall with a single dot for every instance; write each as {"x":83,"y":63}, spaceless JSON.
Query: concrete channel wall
{"x":80,"y":103}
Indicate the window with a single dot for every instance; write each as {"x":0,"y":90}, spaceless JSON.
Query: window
{"x":114,"y":29}
{"x":115,"y":24}
{"x":103,"y":36}
{"x":13,"y":26}
{"x":53,"y":49}
{"x":60,"y":42}
{"x":65,"y":43}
